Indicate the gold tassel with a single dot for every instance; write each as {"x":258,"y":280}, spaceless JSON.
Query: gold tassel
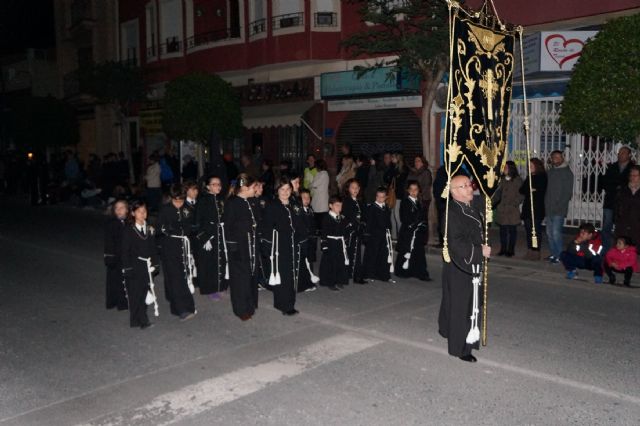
{"x":445,"y":251}
{"x":488,"y":210}
{"x":534,"y":239}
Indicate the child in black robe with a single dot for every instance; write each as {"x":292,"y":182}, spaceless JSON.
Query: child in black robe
{"x":241,"y":227}
{"x":175,"y":223}
{"x":307,"y":242}
{"x":411,"y":260}
{"x":334,"y":263}
{"x":378,"y":258}
{"x":116,"y":294}
{"x":353,"y":210}
{"x":139,"y":263}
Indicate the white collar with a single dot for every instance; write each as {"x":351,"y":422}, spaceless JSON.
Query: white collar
{"x":415,"y":200}
{"x":191,"y":200}
{"x":333,"y":214}
{"x":381,"y":205}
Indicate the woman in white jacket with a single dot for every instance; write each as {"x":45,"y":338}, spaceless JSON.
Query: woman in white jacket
{"x":320,"y":192}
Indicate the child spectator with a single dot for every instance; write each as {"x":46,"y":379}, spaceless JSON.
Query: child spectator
{"x":584,"y":253}
{"x":622,"y":258}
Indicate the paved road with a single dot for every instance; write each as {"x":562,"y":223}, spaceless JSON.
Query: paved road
{"x":559,"y":352}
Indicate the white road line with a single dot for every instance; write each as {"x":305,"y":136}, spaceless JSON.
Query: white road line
{"x":194,"y":399}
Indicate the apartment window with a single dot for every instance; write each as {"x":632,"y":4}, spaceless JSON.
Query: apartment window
{"x":325,"y":14}
{"x":170,"y":26}
{"x":287,"y":14}
{"x":152,"y":30}
{"x":129,"y":42}
{"x":258,"y":22}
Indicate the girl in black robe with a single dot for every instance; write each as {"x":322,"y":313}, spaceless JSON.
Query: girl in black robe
{"x":280,"y":250}
{"x":116,"y":294}
{"x":334,"y":263}
{"x":211,"y":259}
{"x":411,"y":236}
{"x":175,"y":223}
{"x":191,"y":203}
{"x":377,"y":259}
{"x":353,"y":210}
{"x":241,"y":226}
{"x":307,"y":241}
{"x":138,"y":245}
{"x":259,"y":202}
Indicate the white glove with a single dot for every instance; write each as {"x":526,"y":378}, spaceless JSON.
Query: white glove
{"x":207,"y":246}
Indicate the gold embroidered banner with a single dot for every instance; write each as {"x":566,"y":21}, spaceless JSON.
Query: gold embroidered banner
{"x":479,"y":100}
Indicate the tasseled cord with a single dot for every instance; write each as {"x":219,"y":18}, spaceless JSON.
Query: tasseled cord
{"x":314,"y":278}
{"x":474,"y":332}
{"x":390,"y":251}
{"x":274,"y":277}
{"x":226,"y":253}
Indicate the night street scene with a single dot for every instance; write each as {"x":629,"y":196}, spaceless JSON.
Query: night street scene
{"x":363,"y":212}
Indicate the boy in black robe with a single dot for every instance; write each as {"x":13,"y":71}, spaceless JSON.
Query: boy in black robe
{"x":116,"y":291}
{"x":354,"y":210}
{"x":307,"y":242}
{"x":378,"y":257}
{"x":466,"y":249}
{"x":334,"y":263}
{"x":175,"y":222}
{"x":411,"y":236}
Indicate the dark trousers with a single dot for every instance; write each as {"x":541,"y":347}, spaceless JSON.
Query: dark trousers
{"x":572,"y":262}
{"x":528,"y":227}
{"x":628,"y":273}
{"x":441,"y":207}
{"x":508,"y":238}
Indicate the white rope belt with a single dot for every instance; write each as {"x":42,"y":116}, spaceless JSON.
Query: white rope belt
{"x":344,"y":247}
{"x":151,"y":293}
{"x":189,"y":261}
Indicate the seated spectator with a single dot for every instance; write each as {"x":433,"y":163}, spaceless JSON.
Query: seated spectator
{"x":584,"y":253}
{"x":622,"y":258}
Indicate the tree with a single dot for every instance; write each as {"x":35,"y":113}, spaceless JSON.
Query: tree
{"x":36,"y":123}
{"x":120,"y":85}
{"x":415,"y":33}
{"x":603,"y":96}
{"x":197,"y":104}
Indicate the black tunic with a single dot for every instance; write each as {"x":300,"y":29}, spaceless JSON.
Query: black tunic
{"x":259,"y":204}
{"x":413,"y":222}
{"x":241,"y":231}
{"x":354,"y":211}
{"x":136,"y":245}
{"x":280,"y":218}
{"x":376,"y":254}
{"x":306,"y":239}
{"x":465,"y":239}
{"x":116,"y":292}
{"x":174,"y":224}
{"x":333,"y":270}
{"x":211,"y":264}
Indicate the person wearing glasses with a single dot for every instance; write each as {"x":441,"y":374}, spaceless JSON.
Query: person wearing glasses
{"x":467,"y":249}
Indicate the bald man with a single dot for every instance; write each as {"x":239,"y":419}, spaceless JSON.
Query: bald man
{"x":466,"y":248}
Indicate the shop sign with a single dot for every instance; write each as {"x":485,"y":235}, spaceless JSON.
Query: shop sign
{"x":392,"y":102}
{"x":554,"y":51}
{"x":380,"y":81}
{"x":151,"y":121}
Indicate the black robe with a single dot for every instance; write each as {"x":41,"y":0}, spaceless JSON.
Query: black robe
{"x":333,"y":271}
{"x":135,"y":245}
{"x":376,"y":254}
{"x":259,"y":204}
{"x":174,"y":224}
{"x":465,"y":239}
{"x":413,"y":221}
{"x":210,"y":264}
{"x":116,"y":292}
{"x":280,"y":218}
{"x":306,"y":239}
{"x":354,"y":211}
{"x":192,"y":234}
{"x":241,"y":225}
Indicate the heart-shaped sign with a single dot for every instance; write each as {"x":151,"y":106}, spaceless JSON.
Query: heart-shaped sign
{"x":563,"y":50}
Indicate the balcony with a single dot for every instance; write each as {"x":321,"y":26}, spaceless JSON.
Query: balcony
{"x":212,"y":37}
{"x":326,"y":19}
{"x":258,"y":26}
{"x":172,"y":45}
{"x":289,"y":20}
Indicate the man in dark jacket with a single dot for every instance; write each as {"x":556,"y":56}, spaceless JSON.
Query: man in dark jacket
{"x":556,"y":202}
{"x":585,"y":252}
{"x":615,"y":177}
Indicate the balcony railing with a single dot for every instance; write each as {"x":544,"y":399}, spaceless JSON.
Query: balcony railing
{"x":326,"y":19}
{"x":152,"y":51}
{"x":258,"y":26}
{"x":212,"y":37}
{"x":287,"y":21}
{"x":173,"y":45}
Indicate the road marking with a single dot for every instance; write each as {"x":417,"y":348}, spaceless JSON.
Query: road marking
{"x":194,"y":399}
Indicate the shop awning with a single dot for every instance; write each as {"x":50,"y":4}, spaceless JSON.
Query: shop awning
{"x":275,"y":115}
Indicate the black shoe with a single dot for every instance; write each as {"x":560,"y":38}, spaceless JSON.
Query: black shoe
{"x":334,"y":288}
{"x":341,"y":286}
{"x":612,"y":279}
{"x":627,"y":284}
{"x":502,"y":253}
{"x":510,"y":254}
{"x":361,"y":281}
{"x":291,"y":312}
{"x":425,"y":279}
{"x":147,"y":325}
{"x":469,"y":358}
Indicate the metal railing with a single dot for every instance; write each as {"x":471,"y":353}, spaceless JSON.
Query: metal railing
{"x":152,"y":51}
{"x":212,"y":37}
{"x":326,"y":19}
{"x":287,"y":21}
{"x":258,"y":26}
{"x":173,"y":45}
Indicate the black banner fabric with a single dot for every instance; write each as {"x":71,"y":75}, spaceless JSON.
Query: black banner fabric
{"x":480,"y":98}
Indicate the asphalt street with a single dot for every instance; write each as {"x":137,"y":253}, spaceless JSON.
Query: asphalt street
{"x":559,"y":352}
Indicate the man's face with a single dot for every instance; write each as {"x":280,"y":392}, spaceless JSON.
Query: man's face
{"x":557,"y":159}
{"x":624,"y":155}
{"x":386,"y":159}
{"x":461,"y":189}
{"x":634,"y":177}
